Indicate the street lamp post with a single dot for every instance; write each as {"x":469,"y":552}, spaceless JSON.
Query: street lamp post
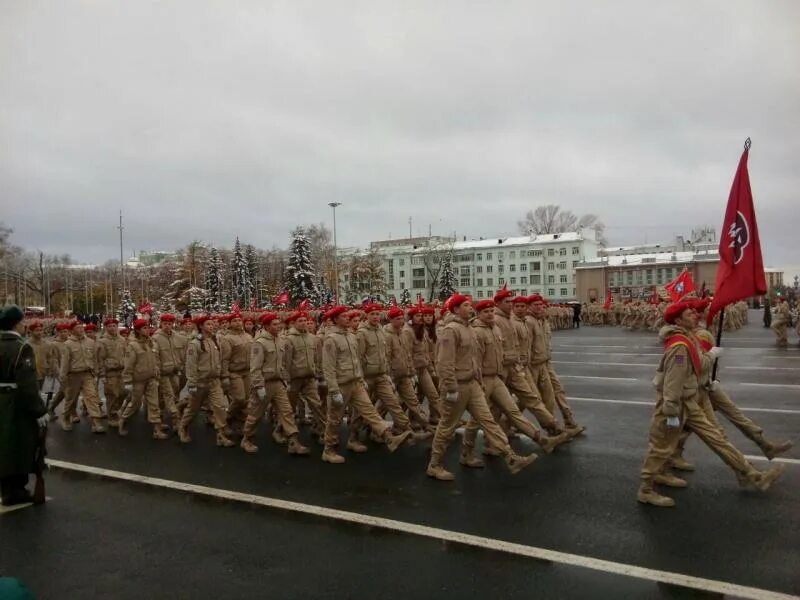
{"x":333,"y":205}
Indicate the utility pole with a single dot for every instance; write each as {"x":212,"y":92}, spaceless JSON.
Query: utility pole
{"x":333,"y":205}
{"x":121,"y":259}
{"x":410,"y":236}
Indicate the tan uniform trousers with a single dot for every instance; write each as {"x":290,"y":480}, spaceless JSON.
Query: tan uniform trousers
{"x":382,"y":393}
{"x":663,"y":440}
{"x":721,"y":401}
{"x":472,"y":399}
{"x":780,"y":332}
{"x":77,"y":384}
{"x":500,"y":402}
{"x":544,"y":378}
{"x":210,"y":391}
{"x":147,"y":391}
{"x":276,"y":395}
{"x":708,"y":410}
{"x":356,"y":397}
{"x":114,"y":393}
{"x":168,"y":395}
{"x":305,"y":389}
{"x":427,"y":388}
{"x":407,"y":393}
{"x":239,"y":396}
{"x":528,"y":397}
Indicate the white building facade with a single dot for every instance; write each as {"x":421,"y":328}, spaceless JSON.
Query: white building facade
{"x":543,"y":264}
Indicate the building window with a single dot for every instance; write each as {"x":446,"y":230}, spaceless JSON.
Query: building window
{"x":464,"y":270}
{"x":464,"y":282}
{"x":479,"y":256}
{"x":551,"y":279}
{"x":488,"y":256}
{"x":512,"y":254}
{"x":418,"y":284}
{"x":536,"y":266}
{"x":524,"y":292}
{"x":563,"y":291}
{"x":562,"y":252}
{"x":523,"y":267}
{"x":402,"y":285}
{"x":490,"y":281}
{"x":418,"y":272}
{"x":562,"y":279}
{"x":500,"y":281}
{"x":562,"y":265}
{"x":500,"y":269}
{"x":479,"y":282}
{"x":480,"y":293}
{"x":512,"y":268}
{"x":479,"y":269}
{"x":573,"y":292}
{"x":536,"y":279}
{"x":402,"y":262}
{"x":574,"y":264}
{"x":535,"y":253}
{"x":513,"y":281}
{"x":551,"y":292}
{"x":489,"y":268}
{"x":576,"y":250}
{"x":551,"y":252}
{"x":402,"y":273}
{"x":500,"y":255}
{"x":551,"y":266}
{"x":523,"y":280}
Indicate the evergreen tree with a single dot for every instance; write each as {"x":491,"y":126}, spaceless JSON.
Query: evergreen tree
{"x":241,"y":276}
{"x":251,"y":260}
{"x":127,"y":309}
{"x":300,"y":269}
{"x":197,"y":298}
{"x":447,"y":278}
{"x":323,"y":294}
{"x":215,"y":283}
{"x":405,"y":298}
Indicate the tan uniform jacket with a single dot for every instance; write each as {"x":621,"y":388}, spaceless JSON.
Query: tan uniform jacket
{"x":110,"y":354}
{"x":171,"y":351}
{"x":340,"y":361}
{"x":266,"y":360}
{"x":235,"y":351}
{"x":675,"y":377}
{"x":300,"y":354}
{"x":203,"y":361}
{"x":540,"y":341}
{"x":490,"y":348}
{"x":523,"y":339}
{"x":417,"y":348}
{"x":372,"y":349}
{"x":141,"y":361}
{"x":46,"y":355}
{"x":457,"y":359}
{"x":78,"y":356}
{"x":400,"y":363}
{"x":509,"y":336}
{"x":320,"y":340}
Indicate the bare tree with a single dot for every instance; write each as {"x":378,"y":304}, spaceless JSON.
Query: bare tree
{"x":433,"y":257}
{"x":551,"y":218}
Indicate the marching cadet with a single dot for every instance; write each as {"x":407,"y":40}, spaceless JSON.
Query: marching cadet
{"x":677,"y":382}
{"x":22,"y":411}
{"x":110,"y":363}
{"x":90,"y":329}
{"x":458,"y":365}
{"x":45,"y":352}
{"x":781,"y":321}
{"x":300,"y":363}
{"x":77,"y":376}
{"x":235,"y":350}
{"x":513,"y":371}
{"x":62,"y":335}
{"x":490,"y":353}
{"x":540,"y":366}
{"x":341,"y":367}
{"x":203,"y":369}
{"x":415,"y":337}
{"x":373,"y":353}
{"x":141,"y":379}
{"x":171,"y":350}
{"x":269,"y":382}
{"x":431,"y":391}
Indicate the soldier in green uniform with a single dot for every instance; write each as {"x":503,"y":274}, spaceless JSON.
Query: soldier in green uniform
{"x":22,"y":410}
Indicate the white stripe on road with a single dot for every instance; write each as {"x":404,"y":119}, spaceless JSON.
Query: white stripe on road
{"x":787,"y":461}
{"x":626,"y":364}
{"x":598,"y":377}
{"x":575,"y":560}
{"x":607,"y":353}
{"x":776,"y":385}
{"x":652,"y":346}
{"x":782,"y":411}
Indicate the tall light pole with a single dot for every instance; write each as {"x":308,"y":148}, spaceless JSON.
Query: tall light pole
{"x":121,"y":259}
{"x":333,"y":205}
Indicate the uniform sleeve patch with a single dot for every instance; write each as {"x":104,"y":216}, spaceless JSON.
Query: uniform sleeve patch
{"x":679,"y":359}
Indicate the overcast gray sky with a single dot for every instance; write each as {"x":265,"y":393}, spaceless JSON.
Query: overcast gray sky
{"x":215,"y":119}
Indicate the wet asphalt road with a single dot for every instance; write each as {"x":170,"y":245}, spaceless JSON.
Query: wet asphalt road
{"x":120,"y":538}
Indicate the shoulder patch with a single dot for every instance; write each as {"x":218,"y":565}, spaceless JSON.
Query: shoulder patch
{"x":679,"y":359}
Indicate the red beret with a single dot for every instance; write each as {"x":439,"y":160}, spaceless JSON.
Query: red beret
{"x":504,"y":293}
{"x":520,"y":300}
{"x":298,"y":314}
{"x":108,"y":322}
{"x":456,"y":300}
{"x":336,"y":311}
{"x":395,"y":312}
{"x":535,"y":298}
{"x":166,"y":317}
{"x":484,"y":304}
{"x":123,"y":331}
{"x":90,"y":327}
{"x":675,"y":310}
{"x":267,"y":318}
{"x":236,"y":315}
{"x":36,"y":325}
{"x":414,"y":310}
{"x":429,"y":310}
{"x":200,"y":319}
{"x":62,"y":326}
{"x":73,"y":324}
{"x":354,"y":313}
{"x":700,"y":305}
{"x":140,"y":324}
{"x":370,"y":308}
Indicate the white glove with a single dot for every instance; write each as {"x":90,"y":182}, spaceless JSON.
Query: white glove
{"x":261,"y":393}
{"x":673,"y":422}
{"x":337,"y":399}
{"x":43,"y":421}
{"x":192,"y":389}
{"x":415,"y":380}
{"x":320,"y":383}
{"x":452,"y":397}
{"x":716,"y":352}
{"x":129,"y":387}
{"x":714,"y":385}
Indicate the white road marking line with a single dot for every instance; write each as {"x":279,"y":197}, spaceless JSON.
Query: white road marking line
{"x":598,"y":377}
{"x":782,"y":411}
{"x":778,"y":385}
{"x":788,"y":461}
{"x":607,"y":353}
{"x":655,"y":345}
{"x":4,"y":510}
{"x":653,"y":365}
{"x":575,"y":560}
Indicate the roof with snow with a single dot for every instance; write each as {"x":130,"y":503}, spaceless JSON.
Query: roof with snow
{"x":649,"y":259}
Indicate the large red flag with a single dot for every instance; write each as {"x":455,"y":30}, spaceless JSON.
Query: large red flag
{"x":741,"y":267}
{"x":609,"y":300}
{"x":680,"y":286}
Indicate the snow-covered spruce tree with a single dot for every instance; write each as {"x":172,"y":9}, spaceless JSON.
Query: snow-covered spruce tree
{"x":197,"y":298}
{"x":323,"y":294}
{"x":241,"y":276}
{"x":300,"y":269}
{"x":126,"y":312}
{"x":215,"y":283}
{"x":447,"y":278}
{"x":405,"y":298}
{"x":251,"y":260}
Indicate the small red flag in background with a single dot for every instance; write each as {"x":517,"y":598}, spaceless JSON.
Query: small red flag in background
{"x":304,"y":305}
{"x":609,"y":300}
{"x":655,"y":298}
{"x":741,"y":267}
{"x":281,"y":298}
{"x":680,"y":286}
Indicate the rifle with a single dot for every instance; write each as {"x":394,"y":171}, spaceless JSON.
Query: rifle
{"x":40,"y":466}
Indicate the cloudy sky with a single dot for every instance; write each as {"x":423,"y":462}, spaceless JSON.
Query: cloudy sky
{"x":214,"y":119}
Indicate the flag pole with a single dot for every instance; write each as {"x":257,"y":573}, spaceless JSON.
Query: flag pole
{"x":719,"y":342}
